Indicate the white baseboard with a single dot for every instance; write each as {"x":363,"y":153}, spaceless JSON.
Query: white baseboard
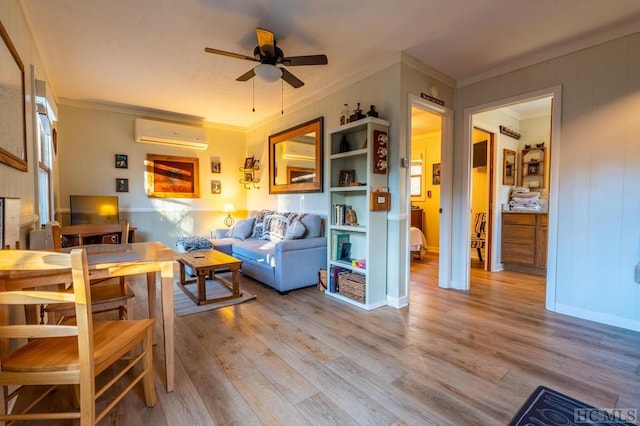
{"x":629,"y":324}
{"x":398,"y":302}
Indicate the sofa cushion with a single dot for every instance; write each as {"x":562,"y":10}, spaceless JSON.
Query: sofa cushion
{"x":313,"y":223}
{"x":295,"y":230}
{"x":260,"y":251}
{"x":242,"y":229}
{"x":193,"y":243}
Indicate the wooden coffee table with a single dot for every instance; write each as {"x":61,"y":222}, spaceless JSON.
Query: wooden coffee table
{"x":204,"y":264}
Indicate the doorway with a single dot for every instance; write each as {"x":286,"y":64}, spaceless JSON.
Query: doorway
{"x":429,"y":149}
{"x":481,"y":198}
{"x":528,"y":121}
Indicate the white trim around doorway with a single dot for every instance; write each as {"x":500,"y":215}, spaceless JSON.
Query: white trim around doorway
{"x":446,"y":187}
{"x":461,"y":258}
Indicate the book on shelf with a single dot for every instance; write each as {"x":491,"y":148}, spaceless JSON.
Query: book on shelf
{"x":343,"y":214}
{"x":334,"y":278}
{"x":337,"y":243}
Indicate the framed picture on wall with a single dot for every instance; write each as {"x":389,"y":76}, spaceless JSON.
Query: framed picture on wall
{"x":216,"y":187}
{"x":122,"y":185}
{"x":169,"y":176}
{"x":436,"y":174}
{"x":122,"y":161}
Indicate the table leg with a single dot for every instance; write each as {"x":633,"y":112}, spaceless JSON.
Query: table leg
{"x":167,"y":321}
{"x":151,"y":292}
{"x":202,"y":286}
{"x":235,"y":281}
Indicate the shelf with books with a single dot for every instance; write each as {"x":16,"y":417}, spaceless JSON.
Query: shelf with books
{"x":353,"y":175}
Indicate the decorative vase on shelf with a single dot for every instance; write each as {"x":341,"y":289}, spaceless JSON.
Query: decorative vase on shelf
{"x":344,"y":144}
{"x":344,"y":115}
{"x":372,"y":112}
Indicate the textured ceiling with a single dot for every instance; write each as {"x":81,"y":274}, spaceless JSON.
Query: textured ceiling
{"x":150,"y":53}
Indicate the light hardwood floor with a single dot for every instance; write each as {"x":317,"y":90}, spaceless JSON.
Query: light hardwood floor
{"x":449,"y":358}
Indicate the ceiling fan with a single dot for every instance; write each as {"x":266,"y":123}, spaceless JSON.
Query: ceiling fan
{"x":270,"y":56}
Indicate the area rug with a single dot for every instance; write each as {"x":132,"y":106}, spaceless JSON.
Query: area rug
{"x":546,"y":407}
{"x":183,"y":305}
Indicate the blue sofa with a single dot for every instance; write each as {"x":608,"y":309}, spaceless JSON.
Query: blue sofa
{"x":282,"y":250}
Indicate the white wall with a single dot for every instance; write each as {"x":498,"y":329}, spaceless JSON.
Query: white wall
{"x":88,"y":139}
{"x":598,"y":232}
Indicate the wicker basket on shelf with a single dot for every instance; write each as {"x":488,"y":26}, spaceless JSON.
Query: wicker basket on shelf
{"x":353,"y":286}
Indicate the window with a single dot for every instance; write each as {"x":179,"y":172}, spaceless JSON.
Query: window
{"x":416,"y":178}
{"x":45,"y":138}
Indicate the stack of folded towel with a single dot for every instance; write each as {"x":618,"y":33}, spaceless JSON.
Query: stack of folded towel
{"x":523,"y":199}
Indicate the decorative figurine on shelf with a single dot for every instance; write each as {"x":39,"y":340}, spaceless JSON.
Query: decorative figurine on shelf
{"x":357,"y":114}
{"x":344,"y":115}
{"x":351,"y":218}
{"x":344,"y":144}
{"x":372,"y":112}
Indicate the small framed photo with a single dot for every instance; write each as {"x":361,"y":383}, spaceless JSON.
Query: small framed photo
{"x":122,"y":185}
{"x":249,"y":162}
{"x":122,"y":161}
{"x":216,"y":187}
{"x":347,"y":177}
{"x":436,"y":174}
{"x":215,"y":166}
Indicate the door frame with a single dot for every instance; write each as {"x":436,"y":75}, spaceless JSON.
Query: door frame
{"x":462,"y":256}
{"x":446,"y":191}
{"x":489,"y":238}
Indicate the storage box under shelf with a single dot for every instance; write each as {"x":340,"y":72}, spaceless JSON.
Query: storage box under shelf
{"x":353,"y":286}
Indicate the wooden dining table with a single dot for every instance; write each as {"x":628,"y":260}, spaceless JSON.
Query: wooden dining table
{"x":116,"y":260}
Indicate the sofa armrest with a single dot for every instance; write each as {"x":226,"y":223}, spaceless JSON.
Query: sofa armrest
{"x":221,"y":233}
{"x":301,"y":244}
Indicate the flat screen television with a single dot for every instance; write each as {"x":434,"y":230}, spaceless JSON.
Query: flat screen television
{"x":94,"y":209}
{"x":480,"y":154}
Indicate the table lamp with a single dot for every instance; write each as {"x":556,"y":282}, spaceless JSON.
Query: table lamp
{"x":228,"y":209}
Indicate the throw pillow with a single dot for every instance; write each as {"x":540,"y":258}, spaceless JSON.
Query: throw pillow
{"x":241,"y":229}
{"x":194,"y":243}
{"x":258,"y":226}
{"x":295,"y":230}
{"x":275,"y":225}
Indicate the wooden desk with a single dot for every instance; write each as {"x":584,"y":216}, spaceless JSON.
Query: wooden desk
{"x":95,"y":234}
{"x":115,"y":260}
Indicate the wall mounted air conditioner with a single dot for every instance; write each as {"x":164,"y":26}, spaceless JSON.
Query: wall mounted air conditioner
{"x":171,"y":134}
{"x":298,"y":151}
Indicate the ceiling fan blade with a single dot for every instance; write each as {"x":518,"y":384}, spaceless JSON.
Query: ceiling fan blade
{"x":230,"y":54}
{"x":305,"y":60}
{"x":247,"y":75}
{"x":291,"y":79}
{"x":266,"y":42}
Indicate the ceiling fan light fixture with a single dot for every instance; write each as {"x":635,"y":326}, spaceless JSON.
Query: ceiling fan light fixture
{"x":268,"y":73}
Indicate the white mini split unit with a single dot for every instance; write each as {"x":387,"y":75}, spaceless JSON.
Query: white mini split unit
{"x":170,"y":134}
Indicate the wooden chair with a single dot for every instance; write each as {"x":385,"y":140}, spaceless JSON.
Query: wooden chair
{"x":478,"y":234}
{"x":106,"y":295}
{"x":58,"y":355}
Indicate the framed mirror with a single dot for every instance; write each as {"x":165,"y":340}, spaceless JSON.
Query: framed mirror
{"x":295,"y":159}
{"x":13,"y":125}
{"x":509,"y":167}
